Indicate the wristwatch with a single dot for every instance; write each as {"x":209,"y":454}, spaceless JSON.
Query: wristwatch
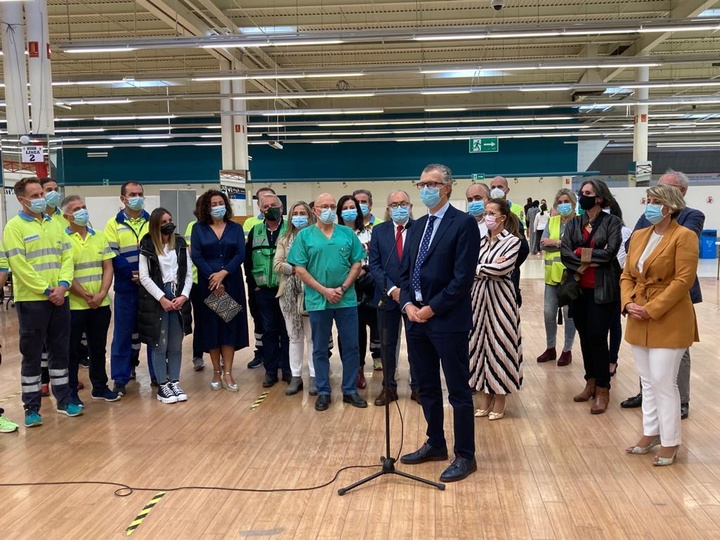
{"x":343,"y":288}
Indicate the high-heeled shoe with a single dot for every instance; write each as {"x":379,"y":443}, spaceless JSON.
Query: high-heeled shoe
{"x":496,"y":415}
{"x":233,"y":387}
{"x":664,"y":461}
{"x":642,"y":449}
{"x":479,"y":413}
{"x":216,"y":385}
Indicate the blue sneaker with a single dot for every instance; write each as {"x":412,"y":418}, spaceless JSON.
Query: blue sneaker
{"x":77,"y":401}
{"x":105,"y":395}
{"x":32,"y":419}
{"x":71,"y":409}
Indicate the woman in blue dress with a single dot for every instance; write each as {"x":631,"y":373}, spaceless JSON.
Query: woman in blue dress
{"x":218,"y":251}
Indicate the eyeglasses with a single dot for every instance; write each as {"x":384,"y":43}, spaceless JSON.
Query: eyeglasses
{"x":328,"y":207}
{"x":396,"y":205}
{"x":431,"y":185}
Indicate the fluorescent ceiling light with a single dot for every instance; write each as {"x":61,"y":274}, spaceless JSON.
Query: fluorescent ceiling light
{"x":99,"y":50}
{"x":155,"y":128}
{"x":446,"y":109}
{"x":310,"y":112}
{"x":153,"y":145}
{"x":671,"y":28}
{"x":699,"y":145}
{"x":83,"y":83}
{"x":100,"y":146}
{"x":211,"y":136}
{"x":710,"y":13}
{"x":278,"y":76}
{"x":208,"y":144}
{"x":522,"y":107}
{"x":443,"y":92}
{"x":136,"y":117}
{"x":80,"y":130}
{"x":549,"y":89}
{"x":117,"y":101}
{"x":325,"y":142}
{"x":266,"y":30}
{"x":272,"y":43}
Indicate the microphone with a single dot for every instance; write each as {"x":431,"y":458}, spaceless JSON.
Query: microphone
{"x":384,"y":295}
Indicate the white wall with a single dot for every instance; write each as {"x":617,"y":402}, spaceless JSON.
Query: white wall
{"x":703,"y":198}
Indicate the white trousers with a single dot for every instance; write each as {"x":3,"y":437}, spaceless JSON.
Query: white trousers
{"x":658,"y":370}
{"x":300,"y":346}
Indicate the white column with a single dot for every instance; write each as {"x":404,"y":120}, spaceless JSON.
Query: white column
{"x":226,"y":121}
{"x":640,"y":139}
{"x":14,"y":69}
{"x":41,"y":96}
{"x":240,"y":138}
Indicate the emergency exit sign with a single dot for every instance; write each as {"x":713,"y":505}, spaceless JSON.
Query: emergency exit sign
{"x":479,"y":145}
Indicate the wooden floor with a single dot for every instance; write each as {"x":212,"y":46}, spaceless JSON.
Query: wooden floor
{"x":548,"y":470}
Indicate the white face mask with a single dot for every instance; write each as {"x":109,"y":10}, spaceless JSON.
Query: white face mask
{"x":497,"y":193}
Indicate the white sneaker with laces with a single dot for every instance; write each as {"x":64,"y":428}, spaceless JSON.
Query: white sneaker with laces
{"x":179,"y":392}
{"x":166,"y":394}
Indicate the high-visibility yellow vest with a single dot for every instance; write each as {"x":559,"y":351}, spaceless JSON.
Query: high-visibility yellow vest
{"x":553,"y":266}
{"x":40,"y":256}
{"x":123,"y":235}
{"x":88,"y":256}
{"x":188,"y":234}
{"x":4,"y":265}
{"x":58,"y":218}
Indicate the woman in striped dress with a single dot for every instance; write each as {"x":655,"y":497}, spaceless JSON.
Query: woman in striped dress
{"x":496,"y":361}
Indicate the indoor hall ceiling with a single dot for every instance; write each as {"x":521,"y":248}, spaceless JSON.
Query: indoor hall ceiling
{"x":380,"y":54}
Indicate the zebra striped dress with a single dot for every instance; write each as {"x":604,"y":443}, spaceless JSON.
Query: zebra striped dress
{"x":496,"y":360}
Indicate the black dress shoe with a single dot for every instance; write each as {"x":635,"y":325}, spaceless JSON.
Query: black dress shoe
{"x":426,"y":453}
{"x":255,"y":362}
{"x":269,"y":380}
{"x":386,"y":397}
{"x":460,"y":469}
{"x":632,"y":402}
{"x":684,"y":410}
{"x":322,"y":403}
{"x":355,"y":400}
{"x":287,"y":377}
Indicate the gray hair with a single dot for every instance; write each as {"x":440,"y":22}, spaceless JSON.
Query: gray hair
{"x":363,"y":192}
{"x":266,"y":195}
{"x":681,"y":177}
{"x":397,"y":191}
{"x":484,"y":187}
{"x":444,"y":171}
{"x":68,"y":200}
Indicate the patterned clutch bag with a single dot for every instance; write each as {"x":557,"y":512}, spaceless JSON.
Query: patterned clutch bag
{"x":224,"y":306}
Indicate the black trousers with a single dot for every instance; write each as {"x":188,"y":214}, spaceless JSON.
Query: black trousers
{"x":42,"y":322}
{"x":428,"y":350}
{"x":276,"y":344}
{"x":593,"y":324}
{"x":257,"y":322}
{"x":196,"y":303}
{"x":94,"y":323}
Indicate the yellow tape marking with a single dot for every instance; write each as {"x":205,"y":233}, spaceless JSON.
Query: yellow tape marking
{"x":259,"y":401}
{"x":143,"y":513}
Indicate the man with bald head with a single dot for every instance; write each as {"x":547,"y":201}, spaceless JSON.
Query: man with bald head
{"x":477,"y":195}
{"x":499,"y":189}
{"x":327,"y":258}
{"x":694,"y":220}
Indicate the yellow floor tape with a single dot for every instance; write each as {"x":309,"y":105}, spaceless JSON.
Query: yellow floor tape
{"x":259,"y":400}
{"x":143,"y":513}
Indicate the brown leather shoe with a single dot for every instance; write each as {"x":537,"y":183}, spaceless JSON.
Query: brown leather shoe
{"x":549,"y":355}
{"x":565,"y":359}
{"x":361,"y":382}
{"x":602,"y":399}
{"x":588,"y":393}
{"x":415,"y":396}
{"x":386,"y":397}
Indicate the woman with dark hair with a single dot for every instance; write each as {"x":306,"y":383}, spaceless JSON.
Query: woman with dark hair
{"x":616,"y":323}
{"x":496,"y":360}
{"x":350,"y":215}
{"x":218,"y":251}
{"x":661,"y":324}
{"x":589,"y":252}
{"x":163,"y":307}
{"x":291,"y":293}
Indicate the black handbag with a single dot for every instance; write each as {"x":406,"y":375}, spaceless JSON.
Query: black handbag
{"x":569,"y":288}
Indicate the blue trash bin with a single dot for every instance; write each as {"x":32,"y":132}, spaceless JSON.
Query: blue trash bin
{"x":708,"y":249}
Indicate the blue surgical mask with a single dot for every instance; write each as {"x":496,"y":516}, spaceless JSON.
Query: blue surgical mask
{"x":565,"y":209}
{"x":327,"y":216}
{"x":300,"y":221}
{"x":218,"y":212}
{"x":476,"y":208}
{"x":52,"y":198}
{"x":37,"y":206}
{"x":136,"y":203}
{"x":653,"y":213}
{"x":365,"y":209}
{"x":349,"y":215}
{"x":81,"y":217}
{"x":497,"y":193}
{"x":430,"y":196}
{"x":400,"y":214}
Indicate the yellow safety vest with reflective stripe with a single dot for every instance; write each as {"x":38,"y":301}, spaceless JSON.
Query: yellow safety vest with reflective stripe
{"x":553,"y":266}
{"x":188,"y":234}
{"x":58,"y":218}
{"x":88,"y":256}
{"x":4,"y":266}
{"x":124,"y":234}
{"x":40,"y":256}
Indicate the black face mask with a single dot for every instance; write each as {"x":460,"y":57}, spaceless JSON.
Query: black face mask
{"x":586,"y":203}
{"x":272,"y":214}
{"x":168,"y":228}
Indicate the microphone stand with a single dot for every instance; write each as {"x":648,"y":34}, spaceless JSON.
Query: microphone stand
{"x":387,"y":462}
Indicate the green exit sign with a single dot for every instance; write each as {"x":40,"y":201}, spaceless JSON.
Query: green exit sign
{"x":483,"y":144}
{"x":478,"y":176}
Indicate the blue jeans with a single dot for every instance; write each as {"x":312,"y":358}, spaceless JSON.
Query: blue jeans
{"x":551,"y":313}
{"x":167,"y":356}
{"x":346,"y":320}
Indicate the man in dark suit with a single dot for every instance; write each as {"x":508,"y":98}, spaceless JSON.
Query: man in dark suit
{"x":694,"y":220}
{"x":386,"y":251}
{"x":437,"y":273}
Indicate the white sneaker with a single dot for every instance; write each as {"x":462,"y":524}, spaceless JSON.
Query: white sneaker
{"x":179,"y":392}
{"x":165,"y":394}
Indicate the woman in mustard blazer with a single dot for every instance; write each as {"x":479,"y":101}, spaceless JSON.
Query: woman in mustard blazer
{"x":655,"y":294}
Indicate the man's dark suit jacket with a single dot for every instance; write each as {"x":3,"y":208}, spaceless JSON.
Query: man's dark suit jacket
{"x":691,"y":219}
{"x":383,"y":260}
{"x":447,"y":273}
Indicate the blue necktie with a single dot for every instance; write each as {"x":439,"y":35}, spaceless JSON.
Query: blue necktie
{"x":422,"y":254}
